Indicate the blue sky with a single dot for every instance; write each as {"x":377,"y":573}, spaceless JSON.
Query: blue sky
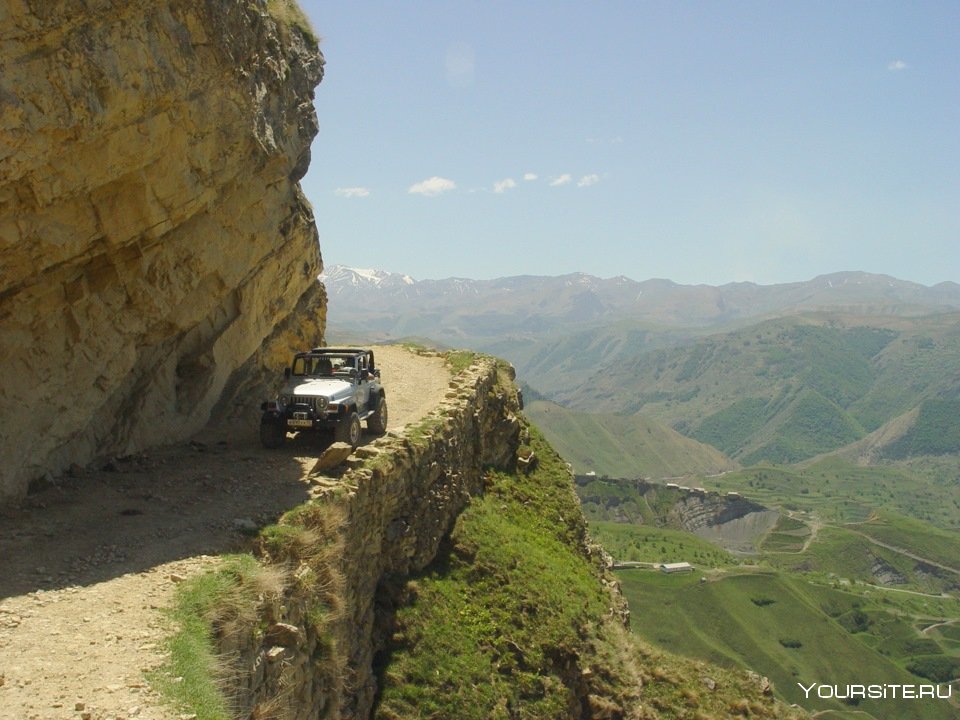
{"x":704,"y":142}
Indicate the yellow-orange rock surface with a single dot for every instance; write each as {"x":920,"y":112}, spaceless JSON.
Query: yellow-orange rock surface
{"x":153,"y":236}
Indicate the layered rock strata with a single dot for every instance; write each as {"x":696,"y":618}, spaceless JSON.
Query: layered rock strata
{"x":730,"y":521}
{"x":153,"y":235}
{"x":735,"y":525}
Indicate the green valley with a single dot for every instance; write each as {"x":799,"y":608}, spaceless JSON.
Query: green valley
{"x":840,"y":589}
{"x":799,"y":632}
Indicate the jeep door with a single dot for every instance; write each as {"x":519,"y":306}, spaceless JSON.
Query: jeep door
{"x":363,"y":388}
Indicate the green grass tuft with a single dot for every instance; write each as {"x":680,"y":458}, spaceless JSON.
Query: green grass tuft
{"x":459,"y":360}
{"x":194,"y":679}
{"x":289,"y":14}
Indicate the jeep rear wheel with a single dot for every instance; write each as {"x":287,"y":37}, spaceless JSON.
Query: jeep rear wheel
{"x":348,"y":430}
{"x":377,"y":423}
{"x":272,"y":435}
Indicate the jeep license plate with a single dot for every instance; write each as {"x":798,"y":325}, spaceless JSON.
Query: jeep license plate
{"x":300,"y":423}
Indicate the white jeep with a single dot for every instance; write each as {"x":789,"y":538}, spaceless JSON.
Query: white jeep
{"x":327,"y":388}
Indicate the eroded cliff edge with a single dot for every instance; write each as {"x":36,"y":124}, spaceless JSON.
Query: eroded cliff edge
{"x":315,"y":650}
{"x":446,"y":571}
{"x":153,"y":235}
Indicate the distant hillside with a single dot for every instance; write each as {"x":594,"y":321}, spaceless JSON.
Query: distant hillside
{"x":792,"y":388}
{"x":839,"y":492}
{"x":460,"y":311}
{"x":935,"y":431}
{"x":870,"y":449}
{"x":778,"y":373}
{"x":928,"y":431}
{"x":624,"y":446}
{"x":557,"y":364}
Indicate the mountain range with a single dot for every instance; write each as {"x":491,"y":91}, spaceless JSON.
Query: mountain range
{"x":457,"y":309}
{"x":778,"y":373}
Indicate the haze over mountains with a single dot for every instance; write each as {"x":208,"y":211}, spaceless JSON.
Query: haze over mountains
{"x":778,"y":373}
{"x":453,"y":309}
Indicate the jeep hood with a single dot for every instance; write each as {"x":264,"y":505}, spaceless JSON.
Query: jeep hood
{"x":327,"y":387}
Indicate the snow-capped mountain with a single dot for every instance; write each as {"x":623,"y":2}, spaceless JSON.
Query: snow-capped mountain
{"x":534,"y":304}
{"x":340,"y":277}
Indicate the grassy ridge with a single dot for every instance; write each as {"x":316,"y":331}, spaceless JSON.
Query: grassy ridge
{"x":513,"y":621}
{"x":812,"y":424}
{"x":456,"y":652}
{"x":731,"y":428}
{"x":840,"y":491}
{"x":623,"y":446}
{"x":492,"y":623}
{"x":846,"y":554}
{"x":935,"y":432}
{"x":645,"y":543}
{"x":931,"y":543}
{"x":811,"y":375}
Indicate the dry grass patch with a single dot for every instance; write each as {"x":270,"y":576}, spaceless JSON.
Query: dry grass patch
{"x":290,"y":15}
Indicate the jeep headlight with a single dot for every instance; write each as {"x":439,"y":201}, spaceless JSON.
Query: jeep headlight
{"x":284,"y":399}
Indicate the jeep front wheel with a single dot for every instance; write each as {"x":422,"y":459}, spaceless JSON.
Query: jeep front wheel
{"x":377,"y":423}
{"x":272,"y":435}
{"x":348,"y":430}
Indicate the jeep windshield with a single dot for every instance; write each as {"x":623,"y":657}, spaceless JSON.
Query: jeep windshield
{"x":323,"y":365}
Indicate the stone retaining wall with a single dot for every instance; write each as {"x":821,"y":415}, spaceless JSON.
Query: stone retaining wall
{"x":394,"y":503}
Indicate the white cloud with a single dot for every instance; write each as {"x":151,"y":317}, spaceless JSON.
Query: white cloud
{"x":352,"y":192}
{"x":561,"y":180}
{"x":896,"y":65}
{"x":432,"y":186}
{"x":501,"y":186}
{"x":588,"y":180}
{"x":529,"y":176}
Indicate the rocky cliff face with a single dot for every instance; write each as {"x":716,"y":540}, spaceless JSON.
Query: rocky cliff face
{"x":732,"y":524}
{"x":153,"y":236}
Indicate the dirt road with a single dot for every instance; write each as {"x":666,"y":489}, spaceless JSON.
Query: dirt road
{"x":87,"y":567}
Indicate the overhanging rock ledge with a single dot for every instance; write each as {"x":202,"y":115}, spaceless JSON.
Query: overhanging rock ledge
{"x":153,"y":235}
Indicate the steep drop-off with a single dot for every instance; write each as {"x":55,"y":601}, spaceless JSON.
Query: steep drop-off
{"x":153,"y":235}
{"x":445,"y":571}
